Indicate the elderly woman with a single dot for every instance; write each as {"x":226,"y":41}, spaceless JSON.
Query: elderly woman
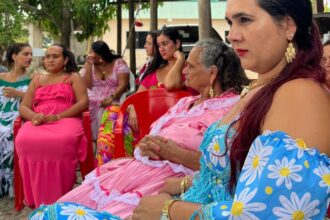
{"x":265,"y":159}
{"x":171,"y":148}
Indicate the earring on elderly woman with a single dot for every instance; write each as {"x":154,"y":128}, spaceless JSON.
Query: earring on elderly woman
{"x":290,"y":53}
{"x":211,"y":92}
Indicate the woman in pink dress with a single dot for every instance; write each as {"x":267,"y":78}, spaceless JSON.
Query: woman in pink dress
{"x":118,"y":185}
{"x":52,"y":139}
{"x":106,"y":76}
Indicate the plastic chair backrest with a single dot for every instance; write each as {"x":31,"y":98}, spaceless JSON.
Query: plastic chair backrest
{"x":149,"y":106}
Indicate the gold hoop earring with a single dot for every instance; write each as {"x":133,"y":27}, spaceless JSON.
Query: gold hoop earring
{"x":211,"y":92}
{"x":290,"y":53}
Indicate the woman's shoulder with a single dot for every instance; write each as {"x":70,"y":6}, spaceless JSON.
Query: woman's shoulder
{"x":4,"y":75}
{"x":301,"y":108}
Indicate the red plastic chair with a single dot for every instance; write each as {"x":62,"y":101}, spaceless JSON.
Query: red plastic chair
{"x":85,"y":166}
{"x":149,"y":106}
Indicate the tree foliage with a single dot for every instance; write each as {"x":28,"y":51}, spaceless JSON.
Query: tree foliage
{"x":84,"y":18}
{"x":11,"y":26}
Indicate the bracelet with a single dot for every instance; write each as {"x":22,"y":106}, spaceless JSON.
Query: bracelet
{"x":184,"y":185}
{"x":166,"y":208}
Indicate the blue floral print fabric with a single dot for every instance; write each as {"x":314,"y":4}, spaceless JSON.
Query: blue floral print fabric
{"x":281,"y":178}
{"x":70,"y":211}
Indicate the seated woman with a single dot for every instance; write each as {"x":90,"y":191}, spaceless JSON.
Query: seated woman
{"x":106,"y":76}
{"x":52,"y":140}
{"x":265,"y":159}
{"x":150,"y":46}
{"x":116,"y":187}
{"x":13,"y":85}
{"x":165,"y":71}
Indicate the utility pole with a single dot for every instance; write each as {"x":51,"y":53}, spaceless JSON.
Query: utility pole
{"x":131,"y":39}
{"x":205,"y":22}
{"x":119,"y":24}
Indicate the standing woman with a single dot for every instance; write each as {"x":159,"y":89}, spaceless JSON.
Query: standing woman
{"x":13,"y":85}
{"x":106,"y":76}
{"x":52,"y":140}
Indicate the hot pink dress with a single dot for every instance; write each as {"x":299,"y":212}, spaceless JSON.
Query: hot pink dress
{"x":49,"y":153}
{"x":102,"y":89}
{"x":117,"y":186}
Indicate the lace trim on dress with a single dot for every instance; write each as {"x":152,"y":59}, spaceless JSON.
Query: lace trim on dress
{"x":225,"y":100}
{"x":103,"y":197}
{"x":177,"y":168}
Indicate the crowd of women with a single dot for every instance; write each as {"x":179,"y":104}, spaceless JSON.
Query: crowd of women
{"x":235,"y":149}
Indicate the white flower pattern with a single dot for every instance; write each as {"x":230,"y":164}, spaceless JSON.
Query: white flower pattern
{"x":242,"y":208}
{"x":324,"y":173}
{"x":216,"y":152}
{"x":285,"y":171}
{"x":255,"y":161}
{"x":77,"y":212}
{"x":295,"y":208}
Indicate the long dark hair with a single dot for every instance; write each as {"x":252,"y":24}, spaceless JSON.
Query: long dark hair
{"x":305,"y":65}
{"x":102,"y":49}
{"x":71,"y":65}
{"x":158,"y":61}
{"x":14,"y":49}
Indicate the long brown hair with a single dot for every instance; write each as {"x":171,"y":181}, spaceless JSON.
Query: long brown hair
{"x":305,"y":65}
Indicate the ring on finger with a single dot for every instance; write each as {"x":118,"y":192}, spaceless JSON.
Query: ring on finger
{"x":35,"y":122}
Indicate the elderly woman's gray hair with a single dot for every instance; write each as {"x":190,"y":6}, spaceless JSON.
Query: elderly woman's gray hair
{"x":230,"y":72}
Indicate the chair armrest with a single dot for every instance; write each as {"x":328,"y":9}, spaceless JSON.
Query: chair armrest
{"x":119,"y":150}
{"x":89,"y":164}
{"x":18,"y":182}
{"x":17,"y":125}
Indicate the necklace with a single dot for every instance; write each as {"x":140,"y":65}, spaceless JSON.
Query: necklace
{"x":255,"y":84}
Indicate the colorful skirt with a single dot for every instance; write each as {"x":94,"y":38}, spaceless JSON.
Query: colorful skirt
{"x":105,"y":140}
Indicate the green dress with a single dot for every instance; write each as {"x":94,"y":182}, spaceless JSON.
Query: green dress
{"x":8,"y":114}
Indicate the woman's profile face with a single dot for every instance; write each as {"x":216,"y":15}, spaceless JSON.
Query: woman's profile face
{"x":54,"y":60}
{"x":24,"y":58}
{"x":197,"y":75}
{"x":326,"y":62}
{"x":256,"y":37}
{"x":148,"y":46}
{"x":166,"y":47}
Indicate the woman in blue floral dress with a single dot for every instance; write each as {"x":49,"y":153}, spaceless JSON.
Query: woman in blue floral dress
{"x":268,"y":158}
{"x":13,"y":85}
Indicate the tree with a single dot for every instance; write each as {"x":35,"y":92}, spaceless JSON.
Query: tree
{"x":84,"y":18}
{"x":11,"y":26}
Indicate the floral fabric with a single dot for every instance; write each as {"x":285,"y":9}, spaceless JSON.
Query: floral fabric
{"x":105,"y":141}
{"x":8,"y":114}
{"x":67,"y":210}
{"x":282,"y":178}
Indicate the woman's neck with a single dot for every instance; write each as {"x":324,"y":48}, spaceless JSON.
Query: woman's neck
{"x":18,"y":71}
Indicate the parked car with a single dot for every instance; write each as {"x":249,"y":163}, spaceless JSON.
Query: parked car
{"x":189,"y":35}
